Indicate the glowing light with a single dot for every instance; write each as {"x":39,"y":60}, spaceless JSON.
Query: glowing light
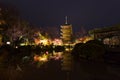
{"x":36,"y":58}
{"x":8,"y":43}
{"x":16,"y":47}
{"x":84,"y":39}
{"x":46,"y":52}
{"x":44,"y":41}
{"x":2,"y":22}
{"x":42,"y":58}
{"x":37,"y":41}
{"x":57,"y":55}
{"x":57,"y":42}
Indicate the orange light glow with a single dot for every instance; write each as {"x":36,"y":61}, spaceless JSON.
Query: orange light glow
{"x":42,"y":58}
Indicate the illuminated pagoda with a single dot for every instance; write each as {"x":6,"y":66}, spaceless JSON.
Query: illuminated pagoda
{"x":66,"y":32}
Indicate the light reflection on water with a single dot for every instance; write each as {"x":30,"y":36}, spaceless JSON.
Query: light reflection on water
{"x":82,"y":70}
{"x":46,"y":56}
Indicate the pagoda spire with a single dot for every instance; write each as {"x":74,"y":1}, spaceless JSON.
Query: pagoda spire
{"x":66,"y":20}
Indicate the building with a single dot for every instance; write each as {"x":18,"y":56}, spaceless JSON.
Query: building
{"x":66,"y":32}
{"x":108,"y":35}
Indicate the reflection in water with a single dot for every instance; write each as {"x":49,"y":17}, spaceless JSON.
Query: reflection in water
{"x":45,"y":57}
{"x":47,"y":63}
{"x":56,"y":55}
{"x":41,"y":58}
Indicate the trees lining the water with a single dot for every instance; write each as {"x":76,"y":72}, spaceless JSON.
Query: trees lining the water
{"x":91,"y":50}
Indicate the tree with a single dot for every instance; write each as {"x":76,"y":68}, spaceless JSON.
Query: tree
{"x":8,"y":17}
{"x":53,"y":32}
{"x":76,"y":51}
{"x":21,"y":32}
{"x":9,"y":14}
{"x":91,"y":50}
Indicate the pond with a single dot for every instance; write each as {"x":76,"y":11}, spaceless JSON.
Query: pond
{"x":59,"y":66}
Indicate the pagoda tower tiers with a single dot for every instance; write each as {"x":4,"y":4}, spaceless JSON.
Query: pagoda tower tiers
{"x":66,"y":32}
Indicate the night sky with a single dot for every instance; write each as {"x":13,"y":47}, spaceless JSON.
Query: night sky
{"x":87,"y":13}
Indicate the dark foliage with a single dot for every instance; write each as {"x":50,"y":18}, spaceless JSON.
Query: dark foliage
{"x":91,"y":50}
{"x":59,"y":48}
